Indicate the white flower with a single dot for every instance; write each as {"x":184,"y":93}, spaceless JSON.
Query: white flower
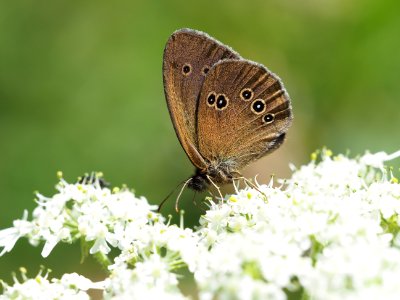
{"x":80,"y":282}
{"x":377,"y":160}
{"x":216,"y":217}
{"x":9,"y":236}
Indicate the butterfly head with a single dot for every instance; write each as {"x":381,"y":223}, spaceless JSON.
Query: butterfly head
{"x":199,"y":183}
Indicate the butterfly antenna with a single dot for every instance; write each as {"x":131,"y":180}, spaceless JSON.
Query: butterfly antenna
{"x":180,"y":193}
{"x":169,"y":195}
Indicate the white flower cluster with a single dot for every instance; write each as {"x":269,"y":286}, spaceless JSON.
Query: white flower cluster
{"x":329,"y":234}
{"x":85,"y":210}
{"x":70,"y":286}
{"x":150,"y":249}
{"x":331,"y":231}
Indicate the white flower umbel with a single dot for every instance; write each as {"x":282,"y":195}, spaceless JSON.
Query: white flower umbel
{"x":330,"y":231}
{"x":70,"y":286}
{"x":83,"y":210}
{"x":328,"y":234}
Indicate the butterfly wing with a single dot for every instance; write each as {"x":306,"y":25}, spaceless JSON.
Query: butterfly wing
{"x":188,"y":56}
{"x":244,"y":112}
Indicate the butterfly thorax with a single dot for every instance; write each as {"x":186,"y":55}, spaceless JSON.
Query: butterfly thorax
{"x":216,"y":172}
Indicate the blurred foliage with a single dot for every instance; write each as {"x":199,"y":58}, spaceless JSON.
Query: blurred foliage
{"x":81,"y":90}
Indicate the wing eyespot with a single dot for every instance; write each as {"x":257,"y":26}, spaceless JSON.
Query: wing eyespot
{"x":258,"y":106}
{"x":246,"y":94}
{"x":205,"y":70}
{"x":268,"y":118}
{"x":211,"y":99}
{"x":222,"y":102}
{"x":186,"y":69}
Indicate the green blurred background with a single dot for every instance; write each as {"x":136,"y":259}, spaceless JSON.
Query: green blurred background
{"x":81,"y":90}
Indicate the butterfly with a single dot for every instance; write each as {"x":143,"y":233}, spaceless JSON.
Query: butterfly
{"x":227,"y":111}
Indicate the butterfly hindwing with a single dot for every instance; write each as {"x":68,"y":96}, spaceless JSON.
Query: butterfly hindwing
{"x":188,"y":57}
{"x":243,"y":114}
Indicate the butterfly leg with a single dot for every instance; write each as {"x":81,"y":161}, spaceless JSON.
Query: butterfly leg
{"x":217,"y":187}
{"x":249,"y":183}
{"x":236,"y":187}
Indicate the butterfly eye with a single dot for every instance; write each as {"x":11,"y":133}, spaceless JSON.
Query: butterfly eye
{"x":186,"y":69}
{"x":205,"y":70}
{"x":268,"y":118}
{"x":211,"y":99}
{"x":258,"y":106}
{"x":222,"y":102}
{"x":246,"y":94}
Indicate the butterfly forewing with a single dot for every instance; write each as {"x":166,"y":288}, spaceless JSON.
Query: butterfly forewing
{"x":248,"y":118}
{"x":188,"y":57}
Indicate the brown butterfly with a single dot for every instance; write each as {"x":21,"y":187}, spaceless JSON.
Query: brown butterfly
{"x":227,"y":111}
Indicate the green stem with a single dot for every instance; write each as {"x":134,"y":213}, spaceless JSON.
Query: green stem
{"x":102,"y":259}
